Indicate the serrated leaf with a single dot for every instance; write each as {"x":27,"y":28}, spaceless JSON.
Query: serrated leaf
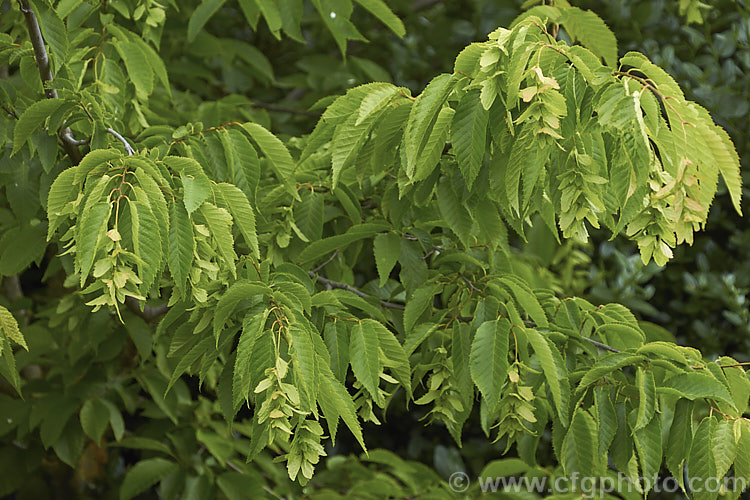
{"x":489,"y":359}
{"x":648,"y":445}
{"x":239,"y":291}
{"x":526,"y":299}
{"x":146,"y":243}
{"x":554,"y":372}
{"x":387,"y":248}
{"x":364,"y":357}
{"x":375,"y":101}
{"x":417,"y":304}
{"x":468,"y":135}
{"x":93,"y":160}
{"x":423,"y":115}
{"x":644,"y":381}
{"x":200,"y":17}
{"x":273,"y":148}
{"x":219,"y":223}
{"x":453,"y":211}
{"x":696,"y":385}
{"x":144,"y":475}
{"x":188,"y":359}
{"x":93,"y":226}
{"x":336,"y":402}
{"x":31,"y":119}
{"x":319,"y":248}
{"x":304,"y":364}
{"x":701,"y":461}
{"x":242,"y":213}
{"x":588,"y":28}
{"x":434,"y":147}
{"x":181,"y":245}
{"x":10,"y":328}
{"x":395,"y":356}
{"x":197,"y":190}
{"x":246,"y":362}
{"x":580,"y":445}
{"x":139,"y":69}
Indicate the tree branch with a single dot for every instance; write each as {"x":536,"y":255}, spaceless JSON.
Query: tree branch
{"x":45,"y":73}
{"x":355,"y":291}
{"x":125,"y":142}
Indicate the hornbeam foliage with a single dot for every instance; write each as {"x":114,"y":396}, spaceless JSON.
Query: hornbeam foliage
{"x":317,"y":280}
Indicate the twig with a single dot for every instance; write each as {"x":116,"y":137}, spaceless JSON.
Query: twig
{"x":125,"y":142}
{"x":324,"y":264}
{"x":45,"y":73}
{"x":355,"y":291}
{"x":283,"y":109}
{"x":600,"y":345}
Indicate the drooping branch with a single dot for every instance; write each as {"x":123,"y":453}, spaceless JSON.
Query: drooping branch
{"x":125,"y":142}
{"x":45,"y":73}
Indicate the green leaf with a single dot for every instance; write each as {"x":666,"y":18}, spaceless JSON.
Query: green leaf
{"x":10,"y":329}
{"x":242,"y":213}
{"x":434,"y":147}
{"x":554,"y":372}
{"x":239,"y":291}
{"x":20,"y":246}
{"x":318,"y":249}
{"x":454,"y":211}
{"x":648,"y":445}
{"x":489,"y":359}
{"x":304,"y":364}
{"x":336,"y":402}
{"x":580,"y":446}
{"x":188,"y":359}
{"x":417,"y":304}
{"x":181,"y":245}
{"x":308,"y":215}
{"x":98,"y":159}
{"x":94,"y":418}
{"x":271,"y":14}
{"x":395,"y":356}
{"x":201,"y":15}
{"x":146,"y":243}
{"x":62,"y":192}
{"x":379,"y":9}
{"x":139,"y":69}
{"x":246,"y":362}
{"x":93,"y":228}
{"x":592,"y":32}
{"x":701,"y":461}
{"x":423,"y":115}
{"x":387,"y":248}
{"x":377,"y":98}
{"x":197,"y":190}
{"x":31,"y":119}
{"x":364,"y":357}
{"x":644,"y":381}
{"x":56,"y":35}
{"x":219,"y":223}
{"x":696,"y":385}
{"x":724,"y":446}
{"x":526,"y":299}
{"x":144,"y":475}
{"x":336,"y":337}
{"x":680,"y":438}
{"x":468,"y":135}
{"x":273,"y":148}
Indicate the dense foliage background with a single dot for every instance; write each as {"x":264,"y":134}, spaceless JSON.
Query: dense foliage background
{"x":283,"y":78}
